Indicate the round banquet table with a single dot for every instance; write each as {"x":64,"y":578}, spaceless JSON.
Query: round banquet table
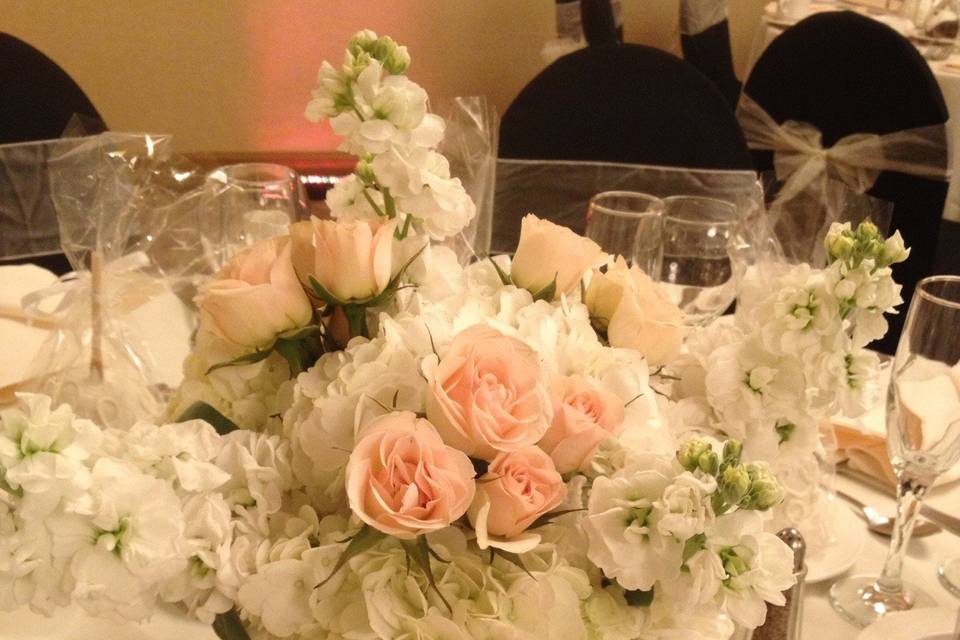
{"x":947,"y":73}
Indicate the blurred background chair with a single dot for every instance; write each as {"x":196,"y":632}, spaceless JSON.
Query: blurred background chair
{"x":622,"y":103}
{"x":705,"y":41}
{"x":845,"y":73}
{"x":38,"y":101}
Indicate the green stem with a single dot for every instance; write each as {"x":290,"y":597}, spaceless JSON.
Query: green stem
{"x":356,"y":320}
{"x":373,"y":204}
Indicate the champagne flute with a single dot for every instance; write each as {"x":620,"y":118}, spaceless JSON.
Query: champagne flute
{"x":949,"y":574}
{"x":629,"y":224}
{"x":923,"y":440}
{"x":697,"y":270}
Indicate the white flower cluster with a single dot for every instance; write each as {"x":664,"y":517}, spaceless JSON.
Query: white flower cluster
{"x":794,"y":356}
{"x":795,"y":353}
{"x":118,"y":520}
{"x":384,"y":120}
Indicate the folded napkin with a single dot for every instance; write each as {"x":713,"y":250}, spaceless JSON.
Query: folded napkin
{"x":20,"y":339}
{"x":861,"y":442}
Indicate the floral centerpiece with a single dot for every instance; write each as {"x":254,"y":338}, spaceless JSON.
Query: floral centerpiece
{"x":375,"y":441}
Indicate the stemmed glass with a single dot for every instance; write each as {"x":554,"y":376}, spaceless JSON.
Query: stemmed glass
{"x":697,"y":270}
{"x":923,"y":440}
{"x":629,"y":224}
{"x":949,"y":573}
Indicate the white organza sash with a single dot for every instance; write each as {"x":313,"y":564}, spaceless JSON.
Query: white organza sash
{"x":821,"y":185}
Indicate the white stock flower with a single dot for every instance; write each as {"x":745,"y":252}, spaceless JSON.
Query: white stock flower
{"x":758,"y":567}
{"x":259,"y":468}
{"x":183,"y":451}
{"x":207,"y":537}
{"x":684,"y":507}
{"x":347,"y":201}
{"x":622,"y":526}
{"x":45,"y":452}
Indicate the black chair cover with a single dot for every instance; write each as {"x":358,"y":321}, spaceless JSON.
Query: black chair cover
{"x":709,"y":52}
{"x":845,"y":73}
{"x":38,"y":98}
{"x":624,"y":103}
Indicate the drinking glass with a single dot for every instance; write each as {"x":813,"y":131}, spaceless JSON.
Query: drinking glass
{"x":697,"y":271}
{"x":923,"y":440}
{"x":250,"y":202}
{"x":629,"y":224}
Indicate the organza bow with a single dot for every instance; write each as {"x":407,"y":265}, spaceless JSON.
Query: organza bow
{"x":800,"y":159}
{"x":822,"y":185}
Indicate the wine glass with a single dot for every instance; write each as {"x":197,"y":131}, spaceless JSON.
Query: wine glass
{"x":249,"y":202}
{"x":629,"y":224}
{"x":923,"y":440}
{"x":697,"y":271}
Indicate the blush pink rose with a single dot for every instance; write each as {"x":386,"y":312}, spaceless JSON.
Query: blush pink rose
{"x":255,"y":297}
{"x":636,"y":312}
{"x":353,"y":260}
{"x":584,"y":415}
{"x":518,"y":487}
{"x":404,"y":481}
{"x":487,"y":394}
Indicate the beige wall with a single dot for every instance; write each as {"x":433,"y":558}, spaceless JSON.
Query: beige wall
{"x":236,"y":74}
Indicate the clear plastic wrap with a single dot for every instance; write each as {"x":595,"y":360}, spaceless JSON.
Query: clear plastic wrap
{"x":815,"y":186}
{"x":470,"y":144}
{"x":130,"y":219}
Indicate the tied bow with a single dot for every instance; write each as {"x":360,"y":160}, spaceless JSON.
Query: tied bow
{"x":801,"y":161}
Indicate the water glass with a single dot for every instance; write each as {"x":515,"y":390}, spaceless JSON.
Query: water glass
{"x":245,"y":203}
{"x":697,"y":271}
{"x":629,"y":224}
{"x":923,"y":440}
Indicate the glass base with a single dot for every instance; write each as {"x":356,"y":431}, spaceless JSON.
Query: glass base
{"x":860,"y":601}
{"x":949,"y":574}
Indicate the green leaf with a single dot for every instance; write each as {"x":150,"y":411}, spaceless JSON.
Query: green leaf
{"x":504,"y":277}
{"x":300,"y":334}
{"x":420,"y":552}
{"x":509,"y":556}
{"x":203,"y":411}
{"x":638,"y":598}
{"x":549,"y":517}
{"x":322,"y":293}
{"x":363,"y":540}
{"x":547,"y":292}
{"x":249,"y":358}
{"x":228,"y":626}
{"x":293,"y":352}
{"x":5,"y":486}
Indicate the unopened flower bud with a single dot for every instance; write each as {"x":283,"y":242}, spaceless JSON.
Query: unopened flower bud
{"x":734,"y":484}
{"x":690,"y":452}
{"x":840,"y":247}
{"x":362,"y":41}
{"x":731,"y":452}
{"x":765,"y":490}
{"x":709,"y":462}
{"x":395,"y":58}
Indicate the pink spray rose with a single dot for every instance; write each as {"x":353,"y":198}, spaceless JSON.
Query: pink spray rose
{"x":404,"y":481}
{"x":487,"y":394}
{"x":256,"y":296}
{"x":584,"y":415}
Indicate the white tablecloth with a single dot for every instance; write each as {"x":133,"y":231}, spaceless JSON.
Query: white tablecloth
{"x":946,"y":72}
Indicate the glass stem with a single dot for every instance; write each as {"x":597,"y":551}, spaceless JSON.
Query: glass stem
{"x":909,"y":495}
